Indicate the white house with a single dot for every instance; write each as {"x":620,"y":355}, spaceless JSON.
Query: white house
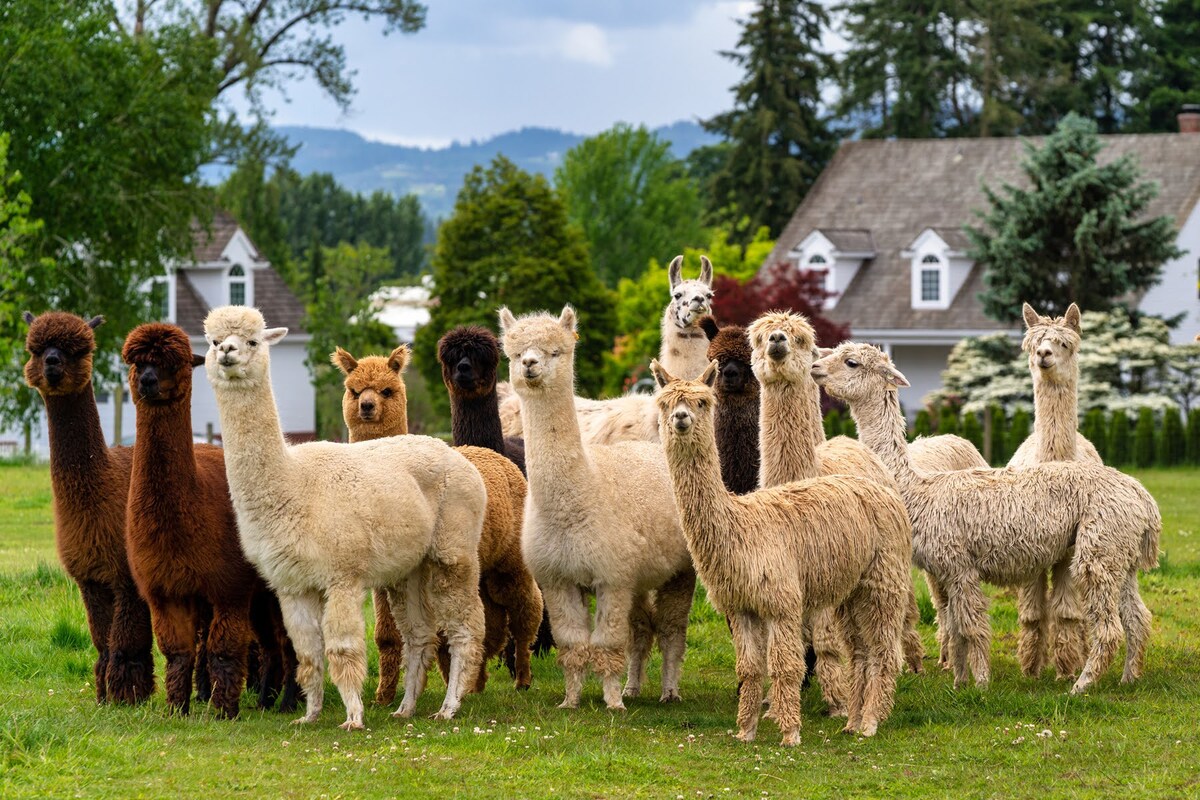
{"x":885,"y":220}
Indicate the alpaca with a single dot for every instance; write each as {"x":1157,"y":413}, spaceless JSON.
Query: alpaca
{"x":323,"y":521}
{"x":1053,"y":348}
{"x":736,"y":414}
{"x":375,"y":405}
{"x":1006,"y":526}
{"x":684,"y":348}
{"x":181,"y":534}
{"x":776,"y":557}
{"x":582,"y":531}
{"x":90,"y":482}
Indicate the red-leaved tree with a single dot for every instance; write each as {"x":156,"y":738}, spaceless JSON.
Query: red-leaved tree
{"x":779,"y":287}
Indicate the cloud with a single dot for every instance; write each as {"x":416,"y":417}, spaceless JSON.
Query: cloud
{"x":587,"y":44}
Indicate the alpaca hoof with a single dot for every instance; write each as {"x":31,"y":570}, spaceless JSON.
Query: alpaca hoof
{"x":670,"y":696}
{"x":351,"y":725}
{"x":403,"y":713}
{"x":616,"y":706}
{"x":522,"y":686}
{"x":444,"y":713}
{"x":384,"y":699}
{"x":745,"y":736}
{"x":307,"y":718}
{"x":836,"y":711}
{"x":868,"y":729}
{"x":631,"y":691}
{"x":569,"y":705}
{"x":790,"y":739}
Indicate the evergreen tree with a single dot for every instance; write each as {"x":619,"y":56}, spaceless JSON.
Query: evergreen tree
{"x":1171,"y":77}
{"x":1000,"y":453}
{"x":1143,"y":439}
{"x":833,"y":423}
{"x":779,"y":143}
{"x":972,"y":430}
{"x":1018,"y":431}
{"x":1077,"y":235}
{"x":849,"y":428}
{"x":1171,"y":439}
{"x":1192,"y":450}
{"x":1094,"y":430}
{"x":922,"y":425}
{"x":947,"y":420}
{"x":1117,"y":454}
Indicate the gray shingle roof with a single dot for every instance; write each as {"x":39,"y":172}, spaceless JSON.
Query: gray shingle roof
{"x":849,"y":241}
{"x":209,"y":243}
{"x":896,"y":189}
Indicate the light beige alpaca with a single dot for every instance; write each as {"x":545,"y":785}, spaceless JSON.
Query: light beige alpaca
{"x":598,"y":518}
{"x":1053,"y":348}
{"x":1006,"y":526}
{"x":773,"y":559}
{"x":323,"y":522}
{"x":684,"y":350}
{"x":792,"y":447}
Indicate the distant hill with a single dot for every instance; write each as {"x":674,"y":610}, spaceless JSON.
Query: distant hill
{"x":435,"y":176}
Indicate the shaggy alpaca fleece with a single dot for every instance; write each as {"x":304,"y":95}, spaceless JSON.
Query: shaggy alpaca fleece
{"x":511,"y":600}
{"x":90,"y":482}
{"x":736,"y":415}
{"x":470,"y":356}
{"x":324,"y":521}
{"x":1007,"y":526}
{"x":772,"y":559}
{"x":582,"y":532}
{"x":181,"y":534}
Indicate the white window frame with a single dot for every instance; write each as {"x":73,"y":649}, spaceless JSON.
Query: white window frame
{"x":927,"y":261}
{"x":243,"y":279}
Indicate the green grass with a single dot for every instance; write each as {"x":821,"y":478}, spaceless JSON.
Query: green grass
{"x":1018,"y":738}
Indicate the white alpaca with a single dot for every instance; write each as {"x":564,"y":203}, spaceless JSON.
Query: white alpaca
{"x":324,"y":522}
{"x":598,"y":518}
{"x":1005,"y":526}
{"x":684,"y":352}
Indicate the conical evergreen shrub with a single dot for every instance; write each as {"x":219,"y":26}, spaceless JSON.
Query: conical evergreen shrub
{"x":1018,"y":431}
{"x":947,"y":421}
{"x":1171,"y":439}
{"x":922,"y":425}
{"x":1192,"y":451}
{"x":1095,"y":430}
{"x":1118,"y":453}
{"x":972,"y":430}
{"x":1143,"y":439}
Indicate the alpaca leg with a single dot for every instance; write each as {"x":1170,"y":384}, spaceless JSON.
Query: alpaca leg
{"x":610,"y":637}
{"x":390,"y":647}
{"x":878,"y":622}
{"x":420,"y":638}
{"x":1035,"y":626}
{"x":829,"y":642}
{"x":175,"y":629}
{"x":971,"y":631}
{"x":750,"y":659}
{"x":522,"y":601}
{"x":452,"y":593}
{"x":785,"y":667}
{"x":851,"y":614}
{"x":568,"y":611}
{"x":346,"y":648}
{"x":269,"y":677}
{"x":671,"y":619}
{"x":641,"y":639}
{"x":98,"y":604}
{"x":1135,"y":618}
{"x":228,"y":643}
{"x":1066,"y":623}
{"x":938,"y":598}
{"x":914,"y":650}
{"x":130,"y":647}
{"x":1101,"y":597}
{"x":204,"y":616}
{"x":302,"y":618}
{"x":495,"y":635}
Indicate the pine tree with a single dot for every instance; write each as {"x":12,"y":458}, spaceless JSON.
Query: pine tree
{"x":1172,"y":76}
{"x":849,"y":428}
{"x":947,"y":420}
{"x":1018,"y":430}
{"x":833,"y":424}
{"x":922,"y":425}
{"x":1171,"y":439}
{"x":1143,"y":439}
{"x":1000,"y":453}
{"x":1118,"y":450}
{"x":1094,"y":430}
{"x":779,"y":142}
{"x":972,"y":430}
{"x":1192,"y":451}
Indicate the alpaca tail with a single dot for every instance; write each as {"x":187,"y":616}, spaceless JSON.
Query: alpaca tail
{"x":1150,"y":534}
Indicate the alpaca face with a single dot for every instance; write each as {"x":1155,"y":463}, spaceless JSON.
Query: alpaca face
{"x":692,"y":299}
{"x":375,"y":402}
{"x":685,"y":408}
{"x":540,"y":349}
{"x":730,"y":348}
{"x":469,"y":357}
{"x":160,"y":363}
{"x":783,"y":347}
{"x":857,"y":373}
{"x":1052,"y":344}
{"x":60,"y":347}
{"x":238,"y":344}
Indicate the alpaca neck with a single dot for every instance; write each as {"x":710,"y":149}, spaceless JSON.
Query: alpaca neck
{"x":1056,"y":418}
{"x":706,"y":508}
{"x":162,"y":452}
{"x":256,"y":457}
{"x":684,"y":351}
{"x":78,"y":453}
{"x":881,"y":428}
{"x":554,"y":452}
{"x":787,"y":445}
{"x":736,"y":421}
{"x":476,"y":421}
{"x":365,"y":431}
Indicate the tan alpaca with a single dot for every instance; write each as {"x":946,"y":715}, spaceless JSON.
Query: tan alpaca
{"x":375,"y":404}
{"x":792,"y":447}
{"x":1053,"y":348}
{"x":598,"y":518}
{"x":324,"y":521}
{"x":633,"y":418}
{"x":772,"y":559}
{"x":1006,"y":526}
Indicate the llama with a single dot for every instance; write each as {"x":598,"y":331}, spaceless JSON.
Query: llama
{"x":772,"y":559}
{"x":683,"y":350}
{"x":1053,"y":348}
{"x":582,"y":531}
{"x":324,"y":521}
{"x":736,"y":415}
{"x":181,"y":534}
{"x":1006,"y":526}
{"x":375,"y":405}
{"x":90,"y":482}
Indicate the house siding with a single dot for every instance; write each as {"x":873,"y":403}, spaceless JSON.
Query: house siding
{"x":1178,"y":290}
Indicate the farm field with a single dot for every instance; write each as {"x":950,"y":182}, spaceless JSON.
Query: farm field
{"x":1018,"y":738}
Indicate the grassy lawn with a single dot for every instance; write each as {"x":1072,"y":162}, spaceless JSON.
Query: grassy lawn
{"x":1019,"y":738}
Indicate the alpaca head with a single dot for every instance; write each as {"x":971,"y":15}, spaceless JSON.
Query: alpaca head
{"x":783,"y":346}
{"x":469,"y":356}
{"x":730,"y":348}
{"x":1052,"y":344}
{"x":375,"y":403}
{"x":60,"y":349}
{"x":857,"y":373}
{"x":540,"y":349}
{"x":685,"y":408}
{"x":692,"y":299}
{"x":238,"y":341}
{"x":161,"y":361}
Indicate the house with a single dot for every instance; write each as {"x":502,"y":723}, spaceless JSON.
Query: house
{"x":885,"y":220}
{"x":402,"y":308}
{"x":226,"y":269}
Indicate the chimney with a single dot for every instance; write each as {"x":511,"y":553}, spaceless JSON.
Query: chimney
{"x":1189,"y":118}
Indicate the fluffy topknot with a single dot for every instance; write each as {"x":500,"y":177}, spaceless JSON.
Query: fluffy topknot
{"x":69,"y":333}
{"x":730,"y":343}
{"x":229,"y":320}
{"x":160,"y":344}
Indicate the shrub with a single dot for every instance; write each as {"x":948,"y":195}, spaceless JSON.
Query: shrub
{"x":833,"y":424}
{"x":1018,"y":431}
{"x":972,"y":430}
{"x":1171,"y":439}
{"x":999,"y":454}
{"x":947,"y":420}
{"x":922,"y":426}
{"x":1118,"y":450}
{"x":1143,"y":439}
{"x":1192,"y":451}
{"x":1095,"y":431}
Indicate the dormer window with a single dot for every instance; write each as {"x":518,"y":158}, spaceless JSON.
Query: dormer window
{"x":940,"y":267}
{"x":237,"y":286}
{"x":931,"y":279}
{"x":836,"y":252}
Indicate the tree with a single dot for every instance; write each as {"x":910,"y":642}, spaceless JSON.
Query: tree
{"x":779,"y":143}
{"x":779,"y":286}
{"x":1118,"y":451}
{"x":1094,"y":429}
{"x":1143,"y":439}
{"x":509,"y":243}
{"x":1172,"y":440}
{"x":632,"y":198}
{"x":1171,"y":77}
{"x":1075,"y":235}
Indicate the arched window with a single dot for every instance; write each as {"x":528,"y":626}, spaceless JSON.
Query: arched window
{"x":931,"y":279}
{"x":237,"y":286}
{"x":817,"y":261}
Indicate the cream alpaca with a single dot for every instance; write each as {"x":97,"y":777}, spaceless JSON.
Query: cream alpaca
{"x":323,"y":522}
{"x":597,"y":518}
{"x":1053,"y":348}
{"x":772,"y":559}
{"x":684,"y":350}
{"x":1006,"y":526}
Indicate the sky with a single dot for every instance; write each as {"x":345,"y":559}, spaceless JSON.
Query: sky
{"x":481,"y":68}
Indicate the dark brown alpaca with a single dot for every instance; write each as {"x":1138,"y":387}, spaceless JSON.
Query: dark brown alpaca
{"x":736,"y":413}
{"x":181,"y":532}
{"x":90,"y":483}
{"x":469,"y":356}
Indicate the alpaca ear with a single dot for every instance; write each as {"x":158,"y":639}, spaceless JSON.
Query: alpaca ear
{"x":822,"y":352}
{"x":706,"y":271}
{"x":1031,"y":316}
{"x":343,"y":361}
{"x":893,"y":376}
{"x":709,"y":376}
{"x":96,"y":321}
{"x":398,"y":360}
{"x":675,"y":271}
{"x":567,"y":318}
{"x":709,"y":326}
{"x":274,"y":335}
{"x":661,"y":376}
{"x":28,"y":317}
{"x":507,"y":320}
{"x":197,"y":360}
{"x":1071,"y":318}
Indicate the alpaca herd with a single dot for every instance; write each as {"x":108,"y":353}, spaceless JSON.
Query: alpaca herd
{"x":249,"y":562}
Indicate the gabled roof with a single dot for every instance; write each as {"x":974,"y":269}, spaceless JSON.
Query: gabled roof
{"x":897,"y":189}
{"x":848,"y":240}
{"x":208,"y":244}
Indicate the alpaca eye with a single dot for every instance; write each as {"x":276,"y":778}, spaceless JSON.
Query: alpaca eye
{"x":678,"y":295}
{"x":216,"y":342}
{"x":703,"y":404}
{"x":386,"y":393}
{"x":554,"y":354}
{"x":354,"y":393}
{"x":850,"y":362}
{"x":253,"y":343}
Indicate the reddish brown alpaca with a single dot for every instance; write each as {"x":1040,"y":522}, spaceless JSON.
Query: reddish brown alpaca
{"x":90,"y":483}
{"x":181,"y":531}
